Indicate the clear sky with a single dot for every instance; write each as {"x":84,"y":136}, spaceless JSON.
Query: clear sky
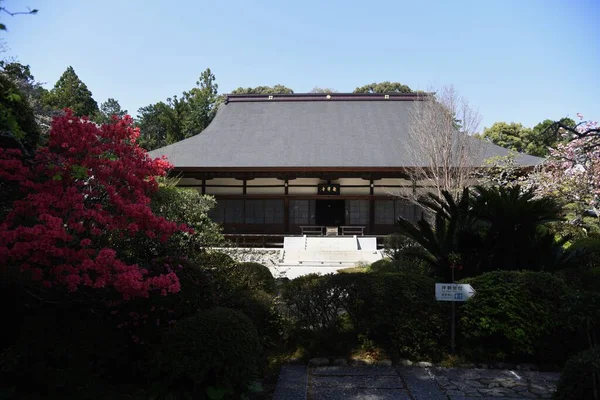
{"x":514,"y":60}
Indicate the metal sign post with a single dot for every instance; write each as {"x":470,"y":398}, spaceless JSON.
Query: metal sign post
{"x":453,"y":292}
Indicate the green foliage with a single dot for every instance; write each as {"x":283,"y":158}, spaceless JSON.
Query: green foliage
{"x":395,"y":311}
{"x":383,"y":87}
{"x":399,"y":313}
{"x":275,"y":89}
{"x":323,"y":90}
{"x":252,"y":276}
{"x":511,"y":220}
{"x":214,"y":260}
{"x":406,"y":265}
{"x":587,"y":252}
{"x":201,"y":104}
{"x":218,"y":347}
{"x":179,"y":205}
{"x":314,"y":304}
{"x":500,"y":171}
{"x":544,"y":135}
{"x":70,"y":92}
{"x":107,"y":109}
{"x":579,"y":378}
{"x":17,"y":120}
{"x":189,"y":207}
{"x":452,"y":232}
{"x":512,"y":316}
{"x":259,"y":306}
{"x":164,"y":123}
{"x":535,"y":141}
{"x":492,"y":228}
{"x":512,"y":136}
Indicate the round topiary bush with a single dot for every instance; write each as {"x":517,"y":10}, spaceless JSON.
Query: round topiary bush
{"x":580,"y":377}
{"x":254,"y":276}
{"x":402,"y":265}
{"x":512,"y":317}
{"x":259,"y":306}
{"x":215,"y":259}
{"x":217,"y":347}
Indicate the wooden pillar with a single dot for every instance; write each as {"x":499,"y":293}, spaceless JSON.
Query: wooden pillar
{"x":244,"y":187}
{"x":203,"y":186}
{"x":286,"y":214}
{"x":286,"y":207}
{"x":371,"y":207}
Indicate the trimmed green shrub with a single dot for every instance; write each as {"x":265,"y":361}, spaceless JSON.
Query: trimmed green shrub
{"x":580,"y":377}
{"x":253,"y":276}
{"x":404,"y":265}
{"x":513,"y":314}
{"x":217,"y":347}
{"x":398,"y":311}
{"x":259,"y":306}
{"x":314,"y":302}
{"x":395,"y":311}
{"x":215,"y":259}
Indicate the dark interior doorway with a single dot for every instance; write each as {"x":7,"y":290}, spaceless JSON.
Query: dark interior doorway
{"x":330,"y":212}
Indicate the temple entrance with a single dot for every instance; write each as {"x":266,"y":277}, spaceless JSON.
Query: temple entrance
{"x":330,"y":212}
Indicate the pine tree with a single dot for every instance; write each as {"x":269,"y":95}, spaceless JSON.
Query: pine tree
{"x":70,"y":92}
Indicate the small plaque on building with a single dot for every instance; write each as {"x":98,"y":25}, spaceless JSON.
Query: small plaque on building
{"x":329,"y":188}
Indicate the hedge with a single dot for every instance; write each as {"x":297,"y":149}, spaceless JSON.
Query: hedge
{"x":515,"y":315}
{"x":218,"y":347}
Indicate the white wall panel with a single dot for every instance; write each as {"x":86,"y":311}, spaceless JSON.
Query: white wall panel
{"x":352,"y":181}
{"x":265,"y":190}
{"x":302,"y":190}
{"x":224,"y":181}
{"x":224,"y":190}
{"x":264,"y":181}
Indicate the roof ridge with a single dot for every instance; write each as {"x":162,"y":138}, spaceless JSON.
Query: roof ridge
{"x":394,"y":96}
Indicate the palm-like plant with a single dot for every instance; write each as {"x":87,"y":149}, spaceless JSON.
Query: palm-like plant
{"x":513,"y":222}
{"x":487,"y":229}
{"x":452,"y":230}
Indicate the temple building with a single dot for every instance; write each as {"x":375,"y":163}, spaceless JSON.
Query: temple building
{"x":307,"y":163}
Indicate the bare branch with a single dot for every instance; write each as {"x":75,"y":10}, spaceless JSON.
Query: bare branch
{"x":441,"y":147}
{"x":12,"y":14}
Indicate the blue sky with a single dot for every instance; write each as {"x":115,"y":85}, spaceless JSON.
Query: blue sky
{"x":514,"y":60}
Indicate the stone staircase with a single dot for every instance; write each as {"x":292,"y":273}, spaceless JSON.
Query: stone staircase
{"x":302,"y":255}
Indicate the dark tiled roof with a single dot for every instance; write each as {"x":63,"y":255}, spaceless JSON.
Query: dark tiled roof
{"x":308,"y":130}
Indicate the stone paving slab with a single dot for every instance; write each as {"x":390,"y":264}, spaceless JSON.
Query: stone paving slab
{"x":382,"y":383}
{"x":366,"y":370}
{"x":461,"y":384}
{"x":358,"y":381}
{"x":292,"y":383}
{"x":327,"y":393}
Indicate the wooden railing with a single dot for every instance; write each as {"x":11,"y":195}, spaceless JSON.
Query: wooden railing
{"x":353,"y":230}
{"x":319,"y":230}
{"x":312,"y":230}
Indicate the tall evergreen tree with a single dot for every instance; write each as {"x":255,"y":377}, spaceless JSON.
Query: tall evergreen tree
{"x":383,"y":87}
{"x":176,"y":119}
{"x":201,"y":104}
{"x":107,"y":109}
{"x":70,"y":92}
{"x":276,"y":89}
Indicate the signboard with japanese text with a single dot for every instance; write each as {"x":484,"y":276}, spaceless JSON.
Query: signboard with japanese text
{"x":453,"y":291}
{"x":329,"y":188}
